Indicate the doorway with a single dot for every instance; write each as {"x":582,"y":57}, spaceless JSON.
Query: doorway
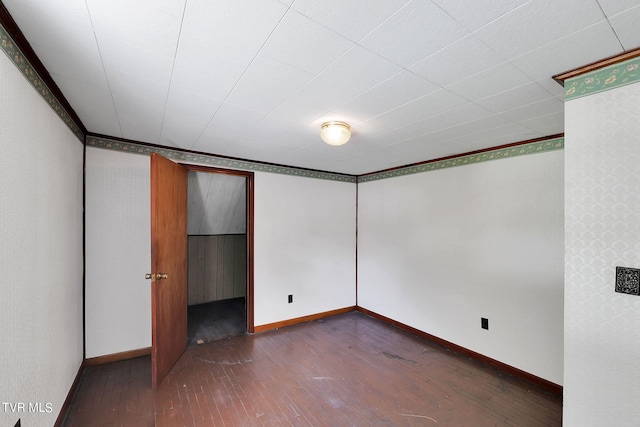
{"x":219,"y":233}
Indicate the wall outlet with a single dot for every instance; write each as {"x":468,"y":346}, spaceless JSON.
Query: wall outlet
{"x":484,"y":323}
{"x":290,"y":299}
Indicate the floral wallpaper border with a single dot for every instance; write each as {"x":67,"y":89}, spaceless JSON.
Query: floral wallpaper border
{"x":20,"y":61}
{"x":607,"y":78}
{"x":502,"y":153}
{"x":210,"y":160}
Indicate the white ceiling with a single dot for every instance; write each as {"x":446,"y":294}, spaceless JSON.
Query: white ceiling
{"x":254,"y":79}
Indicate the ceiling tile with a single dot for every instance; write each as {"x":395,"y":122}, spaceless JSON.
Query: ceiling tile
{"x":553,"y":87}
{"x":145,"y":126}
{"x":135,"y":60}
{"x":550,"y":124}
{"x":429,"y":105}
{"x":494,"y":80}
{"x":474,"y":127}
{"x":457,"y":61}
{"x":352,"y":74}
{"x":349,"y":76}
{"x":136,"y":94}
{"x":92,"y":102}
{"x":567,"y":53}
{"x":248,"y":23}
{"x":392,"y":93}
{"x":352,"y":19}
{"x":179,"y":134}
{"x":535,"y":109}
{"x":613,"y":7}
{"x":275,"y":76}
{"x":137,"y":23}
{"x":228,"y":124}
{"x":215,"y":55}
{"x":45,"y":33}
{"x":305,"y":44}
{"x":416,"y":31}
{"x":626,"y":26}
{"x":84,"y":64}
{"x":254,"y":98}
{"x":473,"y":14}
{"x":447,"y":119}
{"x":189,"y":107}
{"x":189,"y":78}
{"x":513,"y":98}
{"x":56,"y":14}
{"x":536,"y":23}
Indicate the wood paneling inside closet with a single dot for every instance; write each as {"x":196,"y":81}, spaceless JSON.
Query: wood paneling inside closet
{"x":217,"y":267}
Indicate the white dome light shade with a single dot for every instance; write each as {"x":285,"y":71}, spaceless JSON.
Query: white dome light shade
{"x":335,"y":133}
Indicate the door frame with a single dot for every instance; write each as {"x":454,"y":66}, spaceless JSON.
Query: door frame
{"x":249,"y":176}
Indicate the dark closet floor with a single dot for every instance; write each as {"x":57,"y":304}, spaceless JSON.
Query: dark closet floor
{"x":216,"y":320}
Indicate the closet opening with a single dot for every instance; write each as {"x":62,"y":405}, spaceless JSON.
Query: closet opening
{"x":219,"y":229}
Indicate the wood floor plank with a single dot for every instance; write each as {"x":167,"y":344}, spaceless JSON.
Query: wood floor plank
{"x":345,"y":370}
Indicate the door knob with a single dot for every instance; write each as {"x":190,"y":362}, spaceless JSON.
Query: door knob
{"x":153,"y":276}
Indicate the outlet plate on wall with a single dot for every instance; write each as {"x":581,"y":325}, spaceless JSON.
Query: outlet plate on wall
{"x":484,"y":323}
{"x":628,"y":280}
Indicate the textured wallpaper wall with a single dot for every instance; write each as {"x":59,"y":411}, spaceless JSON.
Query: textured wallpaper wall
{"x":40,"y":254}
{"x":602,"y":231}
{"x":118,"y":252}
{"x":441,"y":249}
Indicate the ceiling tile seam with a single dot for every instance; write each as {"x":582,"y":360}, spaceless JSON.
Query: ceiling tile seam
{"x":610,"y":25}
{"x":104,"y":70}
{"x":412,"y":101}
{"x":501,"y":16}
{"x":30,"y":74}
{"x":173,"y":67}
{"x":471,"y":33}
{"x":275,"y":27}
{"x":406,"y":4}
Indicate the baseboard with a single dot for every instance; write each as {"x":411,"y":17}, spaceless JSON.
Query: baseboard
{"x":507,"y":369}
{"x":62,"y":415}
{"x":116,"y":357}
{"x":303,"y":319}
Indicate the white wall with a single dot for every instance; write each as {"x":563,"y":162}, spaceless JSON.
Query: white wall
{"x":602,"y":328}
{"x":305,"y":245}
{"x":118,"y":252}
{"x":441,"y":249}
{"x":40,"y":252}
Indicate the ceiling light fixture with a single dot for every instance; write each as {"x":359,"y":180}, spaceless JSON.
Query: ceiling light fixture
{"x":335,"y":133}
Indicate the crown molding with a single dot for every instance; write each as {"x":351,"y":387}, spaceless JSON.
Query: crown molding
{"x":181,"y":155}
{"x":600,"y":76}
{"x":532,"y":146}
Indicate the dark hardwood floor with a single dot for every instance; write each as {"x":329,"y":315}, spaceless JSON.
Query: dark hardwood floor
{"x":216,"y":320}
{"x":346,"y":370}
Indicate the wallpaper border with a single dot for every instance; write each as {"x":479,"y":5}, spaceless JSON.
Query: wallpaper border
{"x":212,"y":160}
{"x":15,"y":55}
{"x":611,"y":77}
{"x":500,"y":153}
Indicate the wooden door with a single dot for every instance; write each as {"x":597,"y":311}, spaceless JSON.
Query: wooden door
{"x":168,"y":257}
